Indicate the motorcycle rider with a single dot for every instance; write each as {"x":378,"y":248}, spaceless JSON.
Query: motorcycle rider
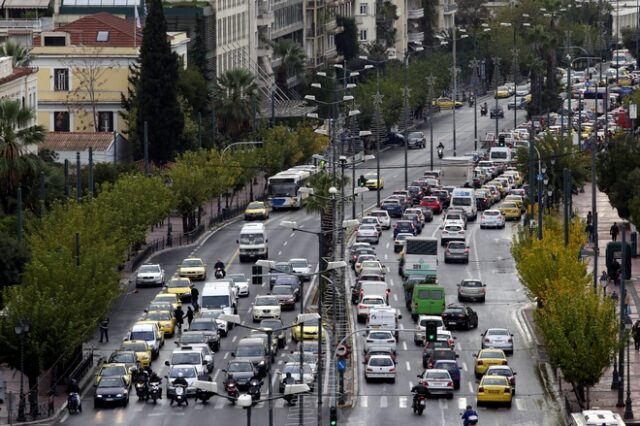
{"x":154,"y":378}
{"x":181,"y":381}
{"x":468,"y":413}
{"x":440,"y":149}
{"x":418,"y":390}
{"x":289,"y":380}
{"x":220,"y":265}
{"x":73,"y":390}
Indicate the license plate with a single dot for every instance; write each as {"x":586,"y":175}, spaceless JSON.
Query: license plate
{"x":108,"y":399}
{"x":494,"y":391}
{"x":451,"y":322}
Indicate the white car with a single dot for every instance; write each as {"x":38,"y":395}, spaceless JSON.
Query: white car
{"x":357,"y":266}
{"x":265,"y":307}
{"x":498,"y":338}
{"x":301,"y":267}
{"x":380,"y":367}
{"x":372,"y":266}
{"x":294,"y":368}
{"x":150,"y":274}
{"x":308,"y":358}
{"x":368,"y":233}
{"x":381,"y":339}
{"x":188,"y":372}
{"x":492,"y":219}
{"x":383,"y":218}
{"x":366,"y":303}
{"x":418,"y":336}
{"x":372,"y":220}
{"x":438,"y":382}
{"x":223,"y":325}
{"x":452,"y":233}
{"x":241,"y":284}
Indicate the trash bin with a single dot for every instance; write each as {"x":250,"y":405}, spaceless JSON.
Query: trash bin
{"x":634,"y":244}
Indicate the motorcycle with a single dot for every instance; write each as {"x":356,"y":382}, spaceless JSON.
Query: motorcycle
{"x":179,"y":395}
{"x":219,"y":273}
{"x":142,"y":390}
{"x":483,"y":111}
{"x":254,"y":389}
{"x":472,"y":100}
{"x":419,"y":403}
{"x":440,"y":153}
{"x":155,"y":391}
{"x":232,"y":390}
{"x":472,"y":420}
{"x":291,"y":399}
{"x":73,"y":403}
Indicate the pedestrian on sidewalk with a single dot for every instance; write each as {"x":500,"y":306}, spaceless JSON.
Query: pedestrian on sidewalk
{"x":189,"y":315}
{"x":635,"y":331}
{"x":615,"y":269}
{"x":104,"y":330}
{"x":614,"y":231}
{"x":589,"y":230}
{"x":589,"y":218}
{"x":194,"y":297}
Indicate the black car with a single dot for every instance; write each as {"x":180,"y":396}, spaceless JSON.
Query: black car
{"x":242,"y":372}
{"x":416,"y":193}
{"x":460,"y":316}
{"x":404,"y":226}
{"x":278,"y":330}
{"x":496,"y":112}
{"x":443,"y":195}
{"x":438,"y":354}
{"x":111,"y":390}
{"x":428,"y":213}
{"x":290,"y":280}
{"x":209,"y":327}
{"x":395,"y":138}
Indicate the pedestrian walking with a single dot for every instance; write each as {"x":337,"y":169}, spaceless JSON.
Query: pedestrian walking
{"x":104,"y":330}
{"x":589,"y":230}
{"x":194,"y":297}
{"x":627,"y":304}
{"x":615,"y":270}
{"x":189,"y":315}
{"x":614,"y":232}
{"x":589,"y":217}
{"x":636,"y":335}
{"x":178,"y":314}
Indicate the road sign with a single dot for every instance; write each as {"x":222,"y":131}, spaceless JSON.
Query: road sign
{"x":341,"y":365}
{"x":540,"y":177}
{"x":342,"y":351}
{"x":633,"y":111}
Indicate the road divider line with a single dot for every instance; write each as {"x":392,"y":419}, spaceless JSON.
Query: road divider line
{"x":462,"y":403}
{"x":470,"y":387}
{"x":408,"y":366}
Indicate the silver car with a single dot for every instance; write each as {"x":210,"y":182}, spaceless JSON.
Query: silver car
{"x":368,"y":233}
{"x":438,"y":382}
{"x":150,"y":274}
{"x":241,"y":283}
{"x":471,"y":289}
{"x":498,"y":338}
{"x":380,"y":338}
{"x":456,"y":251}
{"x":416,"y":140}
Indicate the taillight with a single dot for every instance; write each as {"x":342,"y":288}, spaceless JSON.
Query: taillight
{"x":480,"y":362}
{"x":480,"y":389}
{"x":369,"y":369}
{"x":466,"y":251}
{"x":507,"y":390}
{"x":392,"y":370}
{"x":504,"y":362}
{"x":450,"y":383}
{"x":362,"y":307}
{"x":460,"y":315}
{"x":510,"y":340}
{"x":447,"y":251}
{"x":390,"y":341}
{"x":487,"y":340}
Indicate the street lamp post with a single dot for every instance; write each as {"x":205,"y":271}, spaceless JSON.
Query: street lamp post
{"x":496,"y":72}
{"x":474,"y":64}
{"x":623,"y":315}
{"x":407,"y":111}
{"x":21,"y":329}
{"x":628,"y":410}
{"x":431,"y":81}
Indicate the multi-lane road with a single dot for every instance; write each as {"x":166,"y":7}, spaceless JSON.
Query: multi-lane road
{"x":376,"y":403}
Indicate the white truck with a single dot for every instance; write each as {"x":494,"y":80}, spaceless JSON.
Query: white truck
{"x":219,"y":296}
{"x":460,"y":170}
{"x":253,"y":242}
{"x":596,"y":418}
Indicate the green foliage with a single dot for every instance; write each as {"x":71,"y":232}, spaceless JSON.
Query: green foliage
{"x":19,"y":53}
{"x":283,"y":149}
{"x":386,"y":14}
{"x":197,"y":55}
{"x":293,"y":61}
{"x":347,"y":41}
{"x":429,"y":21}
{"x":13,"y":256}
{"x":189,"y":184}
{"x":129,"y":112}
{"x":235,"y":95}
{"x":157,"y":94}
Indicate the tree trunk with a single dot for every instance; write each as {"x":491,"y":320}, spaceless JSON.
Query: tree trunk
{"x":185,"y":224}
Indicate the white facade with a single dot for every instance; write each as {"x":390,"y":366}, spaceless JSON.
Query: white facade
{"x":365,"y":15}
{"x":402,"y":29}
{"x":237,"y":35}
{"x":20,"y":84}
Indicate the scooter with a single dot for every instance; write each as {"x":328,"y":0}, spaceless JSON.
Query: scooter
{"x":219,"y":273}
{"x":419,"y":403}
{"x":483,"y":111}
{"x":291,"y":399}
{"x":440,"y":153}
{"x":73,"y":403}
{"x":472,"y":420}
{"x":142,"y":390}
{"x":179,"y":395}
{"x":155,"y":391}
{"x":232,"y":390}
{"x":203,"y":395}
{"x":472,"y":100}
{"x":254,"y":389}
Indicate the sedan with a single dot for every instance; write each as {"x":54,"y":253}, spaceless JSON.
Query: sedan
{"x":380,"y":338}
{"x":494,"y":389}
{"x":505,"y":371}
{"x":399,"y":241}
{"x":498,"y":338}
{"x":127,"y":358}
{"x":447,"y":103}
{"x":456,"y":251}
{"x":166,"y":321}
{"x":294,"y":368}
{"x":373,"y":182}
{"x":380,"y":367}
{"x":492,"y":219}
{"x":180,"y":286}
{"x":471,"y":289}
{"x":502,"y":92}
{"x":285,"y":296}
{"x":416,"y":140}
{"x":383,"y":218}
{"x":357,"y":266}
{"x":193,"y":268}
{"x":393,"y":207}
{"x":111,"y":390}
{"x":460,"y":316}
{"x":372,"y":220}
{"x":496,"y":112}
{"x":301,"y":267}
{"x":486,"y":358}
{"x":241,"y":283}
{"x":368,"y":233}
{"x":404,"y":226}
{"x":150,"y":274}
{"x":438,"y":382}
{"x":510,"y":210}
{"x":265,"y":307}
{"x":453,"y":369}
{"x":310,"y":330}
{"x":433,"y":203}
{"x":372,"y":266}
{"x":452,"y":233}
{"x":242,"y":372}
{"x":256,"y":210}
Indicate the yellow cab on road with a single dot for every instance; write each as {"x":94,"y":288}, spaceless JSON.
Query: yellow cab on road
{"x":494,"y":389}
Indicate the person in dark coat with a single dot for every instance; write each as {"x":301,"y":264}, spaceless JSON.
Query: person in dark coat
{"x":104,"y":330}
{"x":194,"y":297}
{"x":635,"y":331}
{"x":189,"y":315}
{"x":614,"y":231}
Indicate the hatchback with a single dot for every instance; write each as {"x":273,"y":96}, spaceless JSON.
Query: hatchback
{"x":368,"y":233}
{"x":456,"y":251}
{"x":471,"y":289}
{"x":404,"y":226}
{"x":380,"y":367}
{"x":492,"y":219}
{"x":400,"y":241}
{"x":452,"y":233}
{"x":438,"y":382}
{"x":453,"y":369}
{"x":372,"y":220}
{"x":380,"y":338}
{"x":383,"y":218}
{"x":498,"y":338}
{"x":433,"y":203}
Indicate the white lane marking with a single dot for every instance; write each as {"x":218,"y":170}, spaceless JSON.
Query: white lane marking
{"x":280,"y":253}
{"x":220,"y":403}
{"x":410,"y":384}
{"x":464,"y":366}
{"x":279,"y":403}
{"x":292,"y":234}
{"x":395,"y":297}
{"x":213,"y":379}
{"x":391,"y":282}
{"x":386,"y":257}
{"x":364,"y":401}
{"x":470,"y":387}
{"x":387,"y":245}
{"x":226,"y":355}
{"x":401,"y":326}
{"x":476,"y":257}
{"x":65,"y":417}
{"x":521,"y":404}
{"x":157,"y":414}
{"x":443,"y":404}
{"x":408,"y":366}
{"x":285,"y":243}
{"x":402,"y":402}
{"x":233,"y":340}
{"x":273,"y":381}
{"x":462,"y":403}
{"x":459,"y":346}
{"x":384,"y":402}
{"x":404,"y":346}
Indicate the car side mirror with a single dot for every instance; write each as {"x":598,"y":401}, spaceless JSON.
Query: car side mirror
{"x":237,"y":242}
{"x":511,"y":334}
{"x":233,"y":354}
{"x":419,"y":376}
{"x":457,"y":356}
{"x":514,"y":373}
{"x":475,"y":355}
{"x":167,"y":363}
{"x":204,"y":362}
{"x":399,"y":316}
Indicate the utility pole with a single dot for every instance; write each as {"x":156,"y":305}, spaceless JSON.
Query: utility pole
{"x":78,"y":178}
{"x":496,"y":72}
{"x":566,"y":179}
{"x":454,"y":73}
{"x":474,"y":64}
{"x":431,"y":81}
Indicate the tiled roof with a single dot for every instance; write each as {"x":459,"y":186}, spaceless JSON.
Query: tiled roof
{"x":84,"y":31}
{"x":17,"y":73}
{"x":76,"y":141}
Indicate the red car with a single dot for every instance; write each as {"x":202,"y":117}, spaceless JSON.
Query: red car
{"x":433,"y":203}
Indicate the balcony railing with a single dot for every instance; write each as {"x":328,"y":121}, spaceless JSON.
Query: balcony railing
{"x":417,"y":13}
{"x":417,"y":37}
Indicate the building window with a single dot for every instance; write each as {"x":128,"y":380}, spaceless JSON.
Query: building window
{"x":61,"y":79}
{"x":105,"y":121}
{"x":61,"y":121}
{"x":364,"y":8}
{"x":363,"y":35}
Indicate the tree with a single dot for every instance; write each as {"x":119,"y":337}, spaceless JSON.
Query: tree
{"x":347,"y":41}
{"x":189,"y":184}
{"x":386,"y":14}
{"x":13,"y":257}
{"x":157,"y":95}
{"x":235,"y":94}
{"x":129,"y":112}
{"x":198,"y":51}
{"x":17,"y":135}
{"x":471,"y":13}
{"x":19,"y":53}
{"x":293,"y":61}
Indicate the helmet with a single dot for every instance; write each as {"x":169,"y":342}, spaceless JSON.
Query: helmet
{"x":468,"y":407}
{"x":180,"y":375}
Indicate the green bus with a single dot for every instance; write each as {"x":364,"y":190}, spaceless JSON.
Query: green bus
{"x":427,"y":299}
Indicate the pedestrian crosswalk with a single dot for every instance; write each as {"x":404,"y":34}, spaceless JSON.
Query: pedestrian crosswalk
{"x":460,"y":403}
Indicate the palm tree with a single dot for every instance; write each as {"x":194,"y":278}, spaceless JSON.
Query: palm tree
{"x":293,"y":60}
{"x":235,"y":93}
{"x":17,"y":51}
{"x":17,"y":133}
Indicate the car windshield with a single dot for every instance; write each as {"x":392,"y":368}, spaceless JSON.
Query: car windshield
{"x":379,"y":335}
{"x":252,"y":351}
{"x":159,"y":316}
{"x":186,"y":358}
{"x":499,"y":372}
{"x":160,"y":307}
{"x":446,"y":365}
{"x":113,"y":371}
{"x":402,"y":237}
{"x":472,"y":284}
{"x":149,"y":269}
{"x":285,"y":268}
{"x":299,"y":263}
{"x":456,"y":245}
{"x":437,"y":375}
{"x":453,"y":229}
{"x":256,"y":205}
{"x":187,"y":373}
{"x":111,"y":382}
{"x":191,"y":263}
{"x":215,"y":302}
{"x":282,"y":290}
{"x":266,"y":301}
{"x":287,"y":279}
{"x":371,"y":176}
{"x":494,"y":381}
{"x":380,"y":362}
{"x":125,"y":358}
{"x":497,"y":332}
{"x":455,"y":310}
{"x":461,"y":201}
{"x":295,"y":369}
{"x":239,"y":367}
{"x":491,"y":213}
{"x":272,"y":324}
{"x":367,"y":227}
{"x":251,"y":239}
{"x":135,"y":346}
{"x":203,"y":325}
{"x":142,"y":335}
{"x":191,"y":337}
{"x":492,"y":354}
{"x":179,"y":282}
{"x":237,"y":277}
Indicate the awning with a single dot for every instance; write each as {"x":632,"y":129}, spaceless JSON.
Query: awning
{"x":25,"y":4}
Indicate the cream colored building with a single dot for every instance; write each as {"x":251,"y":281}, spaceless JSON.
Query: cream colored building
{"x":19,"y":84}
{"x":83,"y":69}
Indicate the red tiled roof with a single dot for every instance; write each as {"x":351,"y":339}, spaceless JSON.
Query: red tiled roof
{"x":76,"y":141}
{"x":17,"y":73}
{"x":84,"y":31}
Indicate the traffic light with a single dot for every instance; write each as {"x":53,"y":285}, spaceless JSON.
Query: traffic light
{"x":432,"y":331}
{"x":501,"y":140}
{"x":362,"y":181}
{"x":256,"y":275}
{"x":333,"y":416}
{"x":322,"y":164}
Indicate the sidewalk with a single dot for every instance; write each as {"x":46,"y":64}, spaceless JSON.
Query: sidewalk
{"x":602,"y":396}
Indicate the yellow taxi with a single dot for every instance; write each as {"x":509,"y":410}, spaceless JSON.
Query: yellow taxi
{"x":494,"y":389}
{"x":193,"y":268}
{"x":499,"y":187}
{"x":256,"y":210}
{"x":516,"y":176}
{"x":166,"y":322}
{"x":502,"y":92}
{"x":515,"y":199}
{"x":180,"y":286}
{"x":373,"y":182}
{"x":142,"y":350}
{"x":114,"y":369}
{"x":168,"y":298}
{"x":625,"y":80}
{"x":447,"y":103}
{"x":488,"y":357}
{"x":510,"y":210}
{"x":310,"y":330}
{"x":587,"y":129}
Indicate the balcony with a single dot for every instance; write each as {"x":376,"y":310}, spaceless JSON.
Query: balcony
{"x":264,"y":17}
{"x":417,"y":13}
{"x":263,"y":49}
{"x":417,"y":37}
{"x":333,"y":28}
{"x":450,"y":9}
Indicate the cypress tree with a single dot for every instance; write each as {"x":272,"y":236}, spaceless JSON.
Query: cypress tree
{"x":158,"y":91}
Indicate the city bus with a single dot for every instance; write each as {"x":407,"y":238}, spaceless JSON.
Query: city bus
{"x":284,"y":188}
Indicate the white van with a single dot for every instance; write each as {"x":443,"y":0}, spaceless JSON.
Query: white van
{"x":500,"y":154}
{"x":253,"y":242}
{"x":465,"y":198}
{"x":150,"y":333}
{"x":219,"y":296}
{"x":384,"y":318}
{"x":596,"y":418}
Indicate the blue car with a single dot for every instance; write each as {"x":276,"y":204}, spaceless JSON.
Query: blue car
{"x":393,"y":207}
{"x":452,"y":367}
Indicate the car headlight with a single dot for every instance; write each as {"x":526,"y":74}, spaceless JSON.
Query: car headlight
{"x":261,"y":363}
{"x":98,"y":396}
{"x":119,"y":395}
